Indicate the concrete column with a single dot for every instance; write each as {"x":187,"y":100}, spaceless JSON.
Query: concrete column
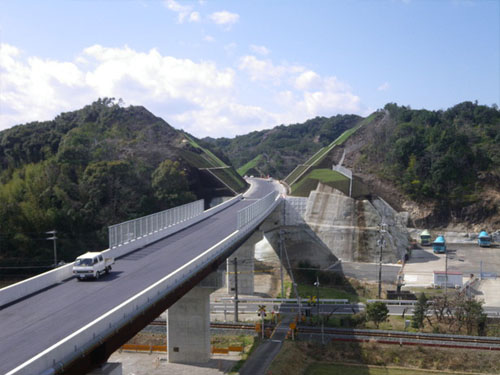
{"x":246,"y":264}
{"x":188,"y":327}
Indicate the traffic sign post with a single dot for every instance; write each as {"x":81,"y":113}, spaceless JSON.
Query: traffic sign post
{"x":262,"y":314}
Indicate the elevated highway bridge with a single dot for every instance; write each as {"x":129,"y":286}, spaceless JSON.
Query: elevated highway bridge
{"x":70,"y":326}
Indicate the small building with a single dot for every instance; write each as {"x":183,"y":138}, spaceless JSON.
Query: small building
{"x":425,"y":238}
{"x":455,"y":279}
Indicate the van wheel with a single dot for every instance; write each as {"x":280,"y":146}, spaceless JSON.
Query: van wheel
{"x":97,"y":275}
{"x":107,"y":269}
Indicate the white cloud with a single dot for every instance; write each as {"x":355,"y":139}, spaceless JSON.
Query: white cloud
{"x":261,"y":50}
{"x":198,"y":96}
{"x":36,"y":89}
{"x":299,"y":92}
{"x":225,"y":18}
{"x":383,"y":87}
{"x":194,"y":17}
{"x":266,"y":70}
{"x":209,"y":38}
{"x":183,"y":11}
{"x":307,"y":80}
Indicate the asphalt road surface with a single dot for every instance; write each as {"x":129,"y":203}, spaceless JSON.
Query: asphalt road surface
{"x":368,"y":271}
{"x":36,"y":323}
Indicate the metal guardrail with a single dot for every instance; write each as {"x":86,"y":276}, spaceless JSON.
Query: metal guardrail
{"x":55,"y":358}
{"x":123,"y":233}
{"x":255,"y":210}
{"x":286,"y":300}
{"x":394,"y":301}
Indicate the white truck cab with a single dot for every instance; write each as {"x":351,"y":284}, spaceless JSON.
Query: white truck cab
{"x":91,"y":265}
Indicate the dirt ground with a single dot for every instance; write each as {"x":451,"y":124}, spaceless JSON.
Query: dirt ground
{"x":156,"y":364}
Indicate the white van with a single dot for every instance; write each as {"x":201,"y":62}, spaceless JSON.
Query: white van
{"x":91,"y":265}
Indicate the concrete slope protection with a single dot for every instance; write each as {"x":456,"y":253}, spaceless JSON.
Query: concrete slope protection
{"x":31,"y":325}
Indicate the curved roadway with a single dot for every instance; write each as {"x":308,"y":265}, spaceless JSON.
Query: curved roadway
{"x":32,"y":325}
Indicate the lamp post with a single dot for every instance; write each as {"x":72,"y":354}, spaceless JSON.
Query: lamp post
{"x":316,"y":284}
{"x":381,"y":243}
{"x":53,"y":238}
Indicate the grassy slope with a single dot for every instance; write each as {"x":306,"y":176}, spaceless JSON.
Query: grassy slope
{"x":301,"y":187}
{"x":206,"y":159}
{"x":344,"y":369}
{"x":251,"y":164}
{"x":326,"y":176}
{"x":299,"y":357}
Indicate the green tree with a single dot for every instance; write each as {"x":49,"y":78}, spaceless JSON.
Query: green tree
{"x":420,"y":311}
{"x":377,"y":312}
{"x":170,"y":184}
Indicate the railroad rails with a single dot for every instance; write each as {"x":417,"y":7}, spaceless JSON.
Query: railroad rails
{"x":383,"y":337}
{"x":214,"y":325}
{"x":407,"y":338}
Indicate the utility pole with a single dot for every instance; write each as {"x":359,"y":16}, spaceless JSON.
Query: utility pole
{"x":316,"y":284}
{"x":281,"y":265}
{"x":381,"y":243}
{"x":445,"y":272}
{"x":235,"y":260}
{"x":281,"y":252}
{"x":54,"y":238}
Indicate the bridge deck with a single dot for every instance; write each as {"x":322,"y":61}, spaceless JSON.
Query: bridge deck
{"x":32,"y":325}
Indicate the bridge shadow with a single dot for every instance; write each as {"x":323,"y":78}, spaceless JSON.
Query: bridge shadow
{"x":308,"y":261}
{"x":423,"y":255}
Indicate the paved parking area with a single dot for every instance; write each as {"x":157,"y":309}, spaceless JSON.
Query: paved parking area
{"x":466,"y":258}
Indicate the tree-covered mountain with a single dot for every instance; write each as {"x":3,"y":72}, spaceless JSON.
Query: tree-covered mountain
{"x":443,"y":165}
{"x":94,"y":167}
{"x":278,"y":151}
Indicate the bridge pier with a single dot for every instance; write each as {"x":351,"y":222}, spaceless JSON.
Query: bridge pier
{"x":245,"y":257}
{"x":188,"y":324}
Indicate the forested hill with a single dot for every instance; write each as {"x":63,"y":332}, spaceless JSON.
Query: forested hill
{"x":278,"y":151}
{"x":442,"y":166}
{"x":91,"y":168}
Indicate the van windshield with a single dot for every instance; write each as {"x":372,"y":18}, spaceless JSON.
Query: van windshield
{"x":83,"y":262}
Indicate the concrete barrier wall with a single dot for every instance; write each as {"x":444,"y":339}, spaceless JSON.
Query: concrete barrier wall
{"x":35,"y":284}
{"x":77,"y":344}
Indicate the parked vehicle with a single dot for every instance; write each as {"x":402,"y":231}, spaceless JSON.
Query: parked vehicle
{"x":484,"y":239}
{"x":425,"y":238}
{"x":439,"y":245}
{"x":92,"y":265}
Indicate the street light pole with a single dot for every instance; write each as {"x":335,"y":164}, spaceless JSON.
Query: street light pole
{"x":316,"y":284}
{"x":235,"y":289}
{"x":53,"y":238}
{"x":381,"y":242}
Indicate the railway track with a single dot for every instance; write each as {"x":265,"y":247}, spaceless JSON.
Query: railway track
{"x":214,"y":325}
{"x":407,"y":338}
{"x":383,"y":337}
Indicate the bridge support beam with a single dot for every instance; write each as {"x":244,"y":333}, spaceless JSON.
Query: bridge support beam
{"x":188,"y":327}
{"x":245,"y":257}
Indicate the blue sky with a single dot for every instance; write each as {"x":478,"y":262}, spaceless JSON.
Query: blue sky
{"x":222,"y":68}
